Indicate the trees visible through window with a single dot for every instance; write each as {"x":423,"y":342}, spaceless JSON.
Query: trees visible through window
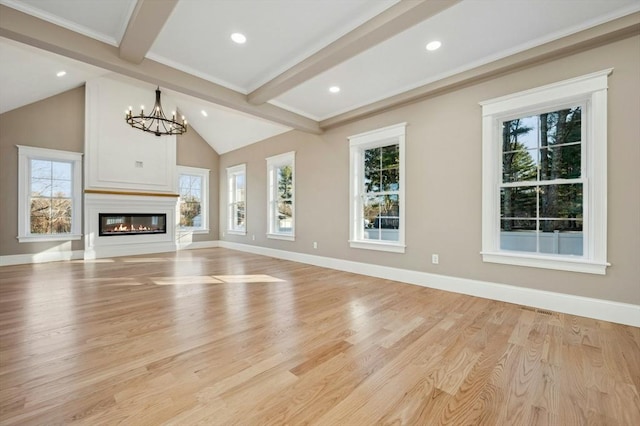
{"x":541,"y":194}
{"x":237,"y":188}
{"x":51,"y":197}
{"x":381,"y":206}
{"x":544,"y":176}
{"x":193,"y":187}
{"x":49,"y":194}
{"x":284,"y":199}
{"x":281,"y":172}
{"x":377,"y":189}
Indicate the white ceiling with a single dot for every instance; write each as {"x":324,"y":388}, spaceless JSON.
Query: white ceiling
{"x":280,"y":34}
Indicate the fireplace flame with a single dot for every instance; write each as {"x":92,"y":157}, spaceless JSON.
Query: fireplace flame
{"x":132,"y":228}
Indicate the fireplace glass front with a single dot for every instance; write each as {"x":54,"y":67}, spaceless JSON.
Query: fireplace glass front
{"x":132,"y":224}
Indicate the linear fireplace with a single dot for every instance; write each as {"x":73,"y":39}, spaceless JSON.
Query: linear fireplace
{"x":112,"y":224}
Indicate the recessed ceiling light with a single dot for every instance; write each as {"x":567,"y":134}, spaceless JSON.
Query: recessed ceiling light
{"x":204,"y":113}
{"x":61,"y":73}
{"x":434,"y":45}
{"x":239,"y":38}
{"x":334,"y":89}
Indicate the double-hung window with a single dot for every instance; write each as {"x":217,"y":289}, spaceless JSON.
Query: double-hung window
{"x":236,"y":199}
{"x":377,"y":189}
{"x":49,"y":194}
{"x":544,"y":176}
{"x":281,"y":196}
{"x":193,"y":186}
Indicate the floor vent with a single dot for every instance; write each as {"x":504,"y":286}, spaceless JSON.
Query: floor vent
{"x":538,"y":311}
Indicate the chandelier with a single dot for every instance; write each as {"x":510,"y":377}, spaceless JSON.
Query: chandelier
{"x":156,"y":122}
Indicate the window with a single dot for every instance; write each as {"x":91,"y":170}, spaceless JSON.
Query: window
{"x":193,"y":186}
{"x":236,"y":200}
{"x":281,"y":196}
{"x":377,"y":189}
{"x":49,"y":194}
{"x":544,"y":176}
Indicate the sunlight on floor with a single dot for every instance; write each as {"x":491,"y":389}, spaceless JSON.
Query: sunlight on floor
{"x":185,"y":280}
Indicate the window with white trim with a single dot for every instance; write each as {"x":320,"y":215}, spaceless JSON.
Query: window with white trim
{"x":236,"y":199}
{"x":377,"y":189}
{"x":193,"y":187}
{"x":545,"y":176}
{"x":49,"y":194}
{"x":281,"y":196}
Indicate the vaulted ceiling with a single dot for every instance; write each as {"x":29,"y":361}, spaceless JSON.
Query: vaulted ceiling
{"x":295,"y":51}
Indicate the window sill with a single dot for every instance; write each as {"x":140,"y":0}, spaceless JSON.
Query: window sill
{"x":547,"y":262}
{"x":281,"y":237}
{"x":232,"y":232}
{"x":193,"y":230}
{"x":369,"y":245}
{"x":42,"y":238}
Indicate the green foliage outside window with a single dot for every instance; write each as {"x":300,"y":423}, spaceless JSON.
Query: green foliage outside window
{"x":539,"y":153}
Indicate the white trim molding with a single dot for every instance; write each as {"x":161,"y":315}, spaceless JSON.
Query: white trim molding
{"x":61,"y":256}
{"x":590,"y":92}
{"x":195,"y":245}
{"x":203,"y":174}
{"x":42,"y":257}
{"x":235,"y":196}
{"x":605,"y":310}
{"x":25,"y":155}
{"x":358,"y":144}
{"x":273,"y":164}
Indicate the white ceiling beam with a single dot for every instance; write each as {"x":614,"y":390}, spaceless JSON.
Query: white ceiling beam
{"x":36,"y":32}
{"x":609,"y":32}
{"x":146,"y":22}
{"x":394,"y":20}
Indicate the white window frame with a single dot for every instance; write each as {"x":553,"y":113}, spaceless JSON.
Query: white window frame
{"x":25,"y":155}
{"x":204,"y":213}
{"x":358,"y":144}
{"x":232,"y":174}
{"x":273,"y":163}
{"x":591,"y":91}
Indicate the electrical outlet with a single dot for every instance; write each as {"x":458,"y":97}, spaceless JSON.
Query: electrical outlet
{"x":253,"y":237}
{"x":315,"y":244}
{"x":435,"y":259}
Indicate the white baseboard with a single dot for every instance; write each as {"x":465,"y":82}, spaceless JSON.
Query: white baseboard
{"x":606,"y":310}
{"x":198,"y":245}
{"x":22,"y":259}
{"x":55,"y":256}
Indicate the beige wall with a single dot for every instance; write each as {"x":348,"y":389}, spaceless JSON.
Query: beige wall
{"x":193,"y":151}
{"x":443,"y":190}
{"x":58,"y":123}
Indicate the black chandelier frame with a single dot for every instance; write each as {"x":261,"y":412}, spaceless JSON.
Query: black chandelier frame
{"x":156,"y":122}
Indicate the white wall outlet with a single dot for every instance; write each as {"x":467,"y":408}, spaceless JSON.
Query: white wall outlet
{"x":253,"y":237}
{"x":315,"y":244}
{"x":435,"y":259}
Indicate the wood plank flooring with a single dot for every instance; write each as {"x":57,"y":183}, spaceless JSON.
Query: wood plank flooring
{"x":219,"y":337}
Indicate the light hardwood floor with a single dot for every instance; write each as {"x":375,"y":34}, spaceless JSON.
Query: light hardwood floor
{"x":222,"y":337}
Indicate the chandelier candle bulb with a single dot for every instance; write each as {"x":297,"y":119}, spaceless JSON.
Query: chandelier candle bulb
{"x":157,"y":123}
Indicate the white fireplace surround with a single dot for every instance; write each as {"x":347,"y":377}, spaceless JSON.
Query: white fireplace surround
{"x":125,"y":170}
{"x":126,"y":245}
